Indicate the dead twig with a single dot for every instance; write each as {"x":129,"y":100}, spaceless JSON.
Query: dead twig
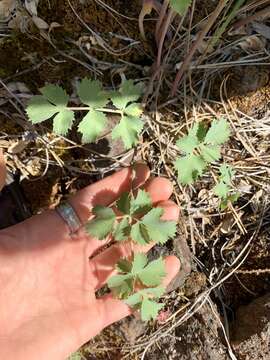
{"x":196,"y":44}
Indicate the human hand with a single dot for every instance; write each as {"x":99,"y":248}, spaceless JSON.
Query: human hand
{"x":48,"y":278}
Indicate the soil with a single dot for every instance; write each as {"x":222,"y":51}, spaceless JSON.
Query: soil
{"x":251,"y":333}
{"x":36,"y":61}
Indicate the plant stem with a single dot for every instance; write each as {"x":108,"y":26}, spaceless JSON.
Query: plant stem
{"x":147,"y":7}
{"x":163,"y":32}
{"x":78,"y":108}
{"x":161,"y":17}
{"x":218,"y":33}
{"x":112,"y":111}
{"x":105,"y":110}
{"x":202,"y":34}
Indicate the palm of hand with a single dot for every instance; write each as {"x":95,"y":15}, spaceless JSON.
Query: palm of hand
{"x":47,"y":300}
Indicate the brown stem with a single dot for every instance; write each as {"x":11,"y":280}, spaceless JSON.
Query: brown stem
{"x":196,"y":44}
{"x":259,"y":15}
{"x":163,"y":34}
{"x":162,"y":14}
{"x":147,"y":7}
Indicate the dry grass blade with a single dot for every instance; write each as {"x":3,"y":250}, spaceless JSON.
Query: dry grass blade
{"x":202,"y":34}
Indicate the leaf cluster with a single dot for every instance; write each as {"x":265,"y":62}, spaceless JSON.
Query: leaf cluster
{"x":223,"y":189}
{"x":139,"y":283}
{"x":180,"y":6}
{"x":201,"y":147}
{"x":53,"y":103}
{"x":138,"y":221}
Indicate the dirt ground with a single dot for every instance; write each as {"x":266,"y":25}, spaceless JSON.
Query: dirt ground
{"x":218,"y":241}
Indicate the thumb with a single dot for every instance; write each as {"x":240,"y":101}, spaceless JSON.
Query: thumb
{"x":2,"y":170}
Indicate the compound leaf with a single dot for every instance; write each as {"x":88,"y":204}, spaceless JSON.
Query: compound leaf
{"x":39,"y":109}
{"x":226,"y":173}
{"x":180,"y":6}
{"x":134,"y":110}
{"x":139,"y":234}
{"x":124,"y":266}
{"x":92,"y":125}
{"x":150,"y":274}
{"x":189,"y":167}
{"x":55,"y":94}
{"x":132,"y":275}
{"x":188,"y":143}
{"x":128,"y":130}
{"x":139,"y":262}
{"x":118,"y":279}
{"x":128,"y":92}
{"x":53,"y":101}
{"x":154,"y":293}
{"x":122,"y":230}
{"x":134,"y":299}
{"x":218,"y":133}
{"x":221,"y":190}
{"x":123,"y":203}
{"x":153,"y":273}
{"x":91,"y":93}
{"x":121,"y":285}
{"x":210,"y":153}
{"x":142,"y":203}
{"x":137,"y":298}
{"x":63,"y":121}
{"x":201,"y":132}
{"x":158,"y":230}
{"x":150,"y":309}
{"x":103,"y":224}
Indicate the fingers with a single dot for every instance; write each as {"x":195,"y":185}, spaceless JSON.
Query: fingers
{"x":2,"y":170}
{"x":102,"y":266}
{"x":112,"y":310}
{"x":172,"y":266}
{"x":159,"y":189}
{"x":106,"y":191}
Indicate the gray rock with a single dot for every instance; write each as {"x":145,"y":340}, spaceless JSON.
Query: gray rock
{"x":251,"y":331}
{"x":196,"y":339}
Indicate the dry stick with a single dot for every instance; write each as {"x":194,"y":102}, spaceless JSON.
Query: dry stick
{"x":160,"y":20}
{"x":259,"y":15}
{"x":196,"y":44}
{"x":160,"y":41}
{"x":228,"y":18}
{"x":147,"y":7}
{"x":163,"y":32}
{"x":253,"y":5}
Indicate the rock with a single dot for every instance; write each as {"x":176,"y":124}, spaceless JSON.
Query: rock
{"x":183,"y":253}
{"x":198,"y":338}
{"x":131,"y":328}
{"x":194,"y":284}
{"x":251,"y":331}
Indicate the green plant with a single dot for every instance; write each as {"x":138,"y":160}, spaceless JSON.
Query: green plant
{"x":180,"y":6}
{"x":227,"y":20}
{"x":223,"y":189}
{"x":75,"y":356}
{"x":201,"y":148}
{"x":138,"y":281}
{"x":53,"y":103}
